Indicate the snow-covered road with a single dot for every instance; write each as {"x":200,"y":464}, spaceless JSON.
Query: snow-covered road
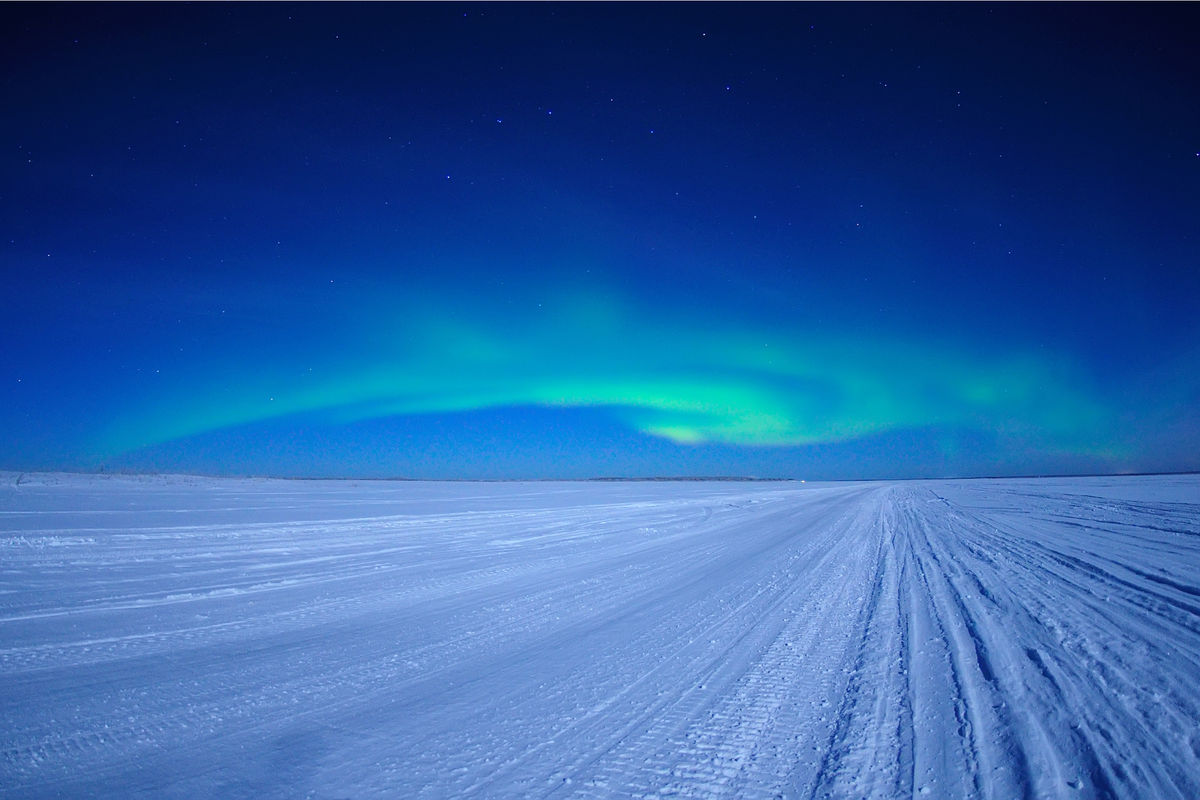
{"x":186,"y":637}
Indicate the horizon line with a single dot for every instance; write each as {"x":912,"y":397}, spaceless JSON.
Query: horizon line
{"x":21,"y":473}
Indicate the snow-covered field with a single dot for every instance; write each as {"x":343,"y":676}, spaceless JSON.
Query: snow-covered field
{"x":186,"y":637}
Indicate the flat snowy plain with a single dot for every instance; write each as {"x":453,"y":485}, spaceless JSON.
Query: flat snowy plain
{"x":187,"y":637}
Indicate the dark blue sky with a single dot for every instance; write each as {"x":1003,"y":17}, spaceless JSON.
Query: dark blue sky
{"x":462,"y":240}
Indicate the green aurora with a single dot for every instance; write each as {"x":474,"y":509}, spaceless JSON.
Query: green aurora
{"x":705,"y":379}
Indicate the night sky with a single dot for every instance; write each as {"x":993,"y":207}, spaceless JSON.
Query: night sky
{"x":458,"y":240}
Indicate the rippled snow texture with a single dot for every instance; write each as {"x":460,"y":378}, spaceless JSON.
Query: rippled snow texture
{"x":186,"y":637}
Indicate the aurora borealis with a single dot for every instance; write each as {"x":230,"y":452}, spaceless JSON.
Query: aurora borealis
{"x":463,"y":240}
{"x":678,"y":380}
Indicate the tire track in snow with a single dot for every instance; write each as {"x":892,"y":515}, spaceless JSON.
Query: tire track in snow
{"x":945,"y":639}
{"x":1068,"y":687}
{"x":745,"y":734}
{"x":702,"y":674}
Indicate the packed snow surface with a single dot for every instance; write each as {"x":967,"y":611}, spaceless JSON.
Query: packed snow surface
{"x":185,"y":637}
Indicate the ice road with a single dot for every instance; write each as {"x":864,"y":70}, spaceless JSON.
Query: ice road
{"x":186,"y":637}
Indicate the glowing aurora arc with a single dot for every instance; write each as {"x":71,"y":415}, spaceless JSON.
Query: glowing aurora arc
{"x":689,"y":383}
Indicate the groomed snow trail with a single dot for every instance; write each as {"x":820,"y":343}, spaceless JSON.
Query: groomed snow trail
{"x":185,"y":637}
